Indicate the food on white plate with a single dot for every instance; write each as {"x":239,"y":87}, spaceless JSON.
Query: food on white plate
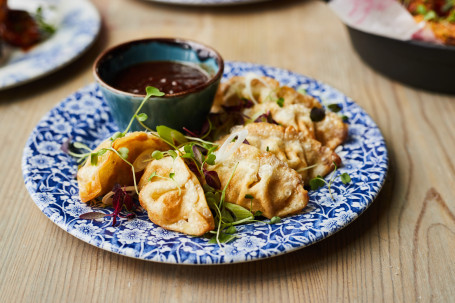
{"x":97,"y":179}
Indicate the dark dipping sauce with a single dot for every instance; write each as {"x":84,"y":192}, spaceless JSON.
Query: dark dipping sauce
{"x":168,"y":76}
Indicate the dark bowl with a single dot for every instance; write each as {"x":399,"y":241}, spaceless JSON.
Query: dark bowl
{"x":188,"y":108}
{"x":419,"y":64}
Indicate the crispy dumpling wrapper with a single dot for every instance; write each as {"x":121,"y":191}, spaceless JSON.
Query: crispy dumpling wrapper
{"x":97,"y":180}
{"x":276,"y":188}
{"x":178,"y":204}
{"x":293,"y":148}
{"x":296,"y":109}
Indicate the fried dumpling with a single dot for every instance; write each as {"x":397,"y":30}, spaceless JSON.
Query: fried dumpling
{"x":176,"y":203}
{"x":276,"y":188}
{"x":305,"y":155}
{"x":97,"y":180}
{"x":295,"y":110}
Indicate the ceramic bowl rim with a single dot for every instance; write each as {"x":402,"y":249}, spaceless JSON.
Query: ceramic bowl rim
{"x":177,"y":41}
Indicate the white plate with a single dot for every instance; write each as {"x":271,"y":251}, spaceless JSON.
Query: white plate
{"x":77,"y":29}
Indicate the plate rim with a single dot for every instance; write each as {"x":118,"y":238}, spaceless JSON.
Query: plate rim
{"x":67,"y":60}
{"x":244,"y":64}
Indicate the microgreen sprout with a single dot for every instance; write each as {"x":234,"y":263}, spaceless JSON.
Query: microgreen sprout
{"x":42,"y":24}
{"x":318,"y":182}
{"x":280,"y":102}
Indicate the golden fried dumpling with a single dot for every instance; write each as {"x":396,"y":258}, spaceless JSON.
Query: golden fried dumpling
{"x":295,"y":110}
{"x":176,"y":204}
{"x":249,"y":87}
{"x":276,"y":188}
{"x":305,"y":155}
{"x":97,"y":180}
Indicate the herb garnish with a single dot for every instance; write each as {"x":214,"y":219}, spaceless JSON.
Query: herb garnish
{"x":120,"y":200}
{"x":280,"y":102}
{"x":318,"y":182}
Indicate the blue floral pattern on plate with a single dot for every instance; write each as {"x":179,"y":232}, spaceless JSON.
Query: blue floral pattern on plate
{"x":79,"y":26}
{"x":49,"y":176}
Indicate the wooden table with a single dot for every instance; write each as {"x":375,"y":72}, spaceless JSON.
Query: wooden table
{"x":400,"y":250}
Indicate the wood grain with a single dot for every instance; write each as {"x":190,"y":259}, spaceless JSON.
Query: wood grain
{"x":399,"y":250}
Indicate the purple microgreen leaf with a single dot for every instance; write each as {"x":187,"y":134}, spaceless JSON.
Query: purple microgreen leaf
{"x":92,"y":215}
{"x":247,"y":103}
{"x":66,"y":145}
{"x":197,"y":154}
{"x":246,"y":142}
{"x":212,"y":179}
{"x":128,"y":202}
{"x":192,"y":134}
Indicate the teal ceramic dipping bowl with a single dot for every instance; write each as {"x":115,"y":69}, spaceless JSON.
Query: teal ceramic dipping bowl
{"x":187,"y":109}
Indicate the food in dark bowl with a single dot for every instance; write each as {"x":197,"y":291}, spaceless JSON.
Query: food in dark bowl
{"x":420,"y":64}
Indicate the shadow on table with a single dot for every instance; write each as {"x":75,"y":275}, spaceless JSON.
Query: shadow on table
{"x":61,"y":76}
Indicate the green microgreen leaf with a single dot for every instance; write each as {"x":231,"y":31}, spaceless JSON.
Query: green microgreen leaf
{"x":157,"y":155}
{"x":258,"y":213}
{"x":142,"y":117}
{"x":210,"y":159}
{"x":302,"y":90}
{"x":421,"y":9}
{"x":267,"y":149}
{"x":188,"y":148}
{"x":94,"y":159}
{"x":123,"y":152}
{"x":239,"y":212}
{"x":222,"y":238}
{"x":334,"y":107}
{"x":42,"y":24}
{"x":171,"y":175}
{"x":152,"y":176}
{"x":280,"y":102}
{"x":117,"y":135}
{"x":316,"y":183}
{"x":248,"y":196}
{"x":171,"y":136}
{"x":80,"y":145}
{"x":344,"y":118}
{"x":345,"y":178}
{"x":231,"y":230}
{"x":151,"y":91}
{"x":172,"y":153}
{"x":431,"y":15}
{"x":275,"y":220}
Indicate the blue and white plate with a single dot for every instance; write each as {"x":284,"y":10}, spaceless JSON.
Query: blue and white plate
{"x":78,"y":24}
{"x":208,"y":2}
{"x":49,"y":176}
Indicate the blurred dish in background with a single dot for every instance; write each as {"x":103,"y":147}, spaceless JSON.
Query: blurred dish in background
{"x":439,"y":16}
{"x":207,"y":2}
{"x":388,"y":38}
{"x":57,"y":34}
